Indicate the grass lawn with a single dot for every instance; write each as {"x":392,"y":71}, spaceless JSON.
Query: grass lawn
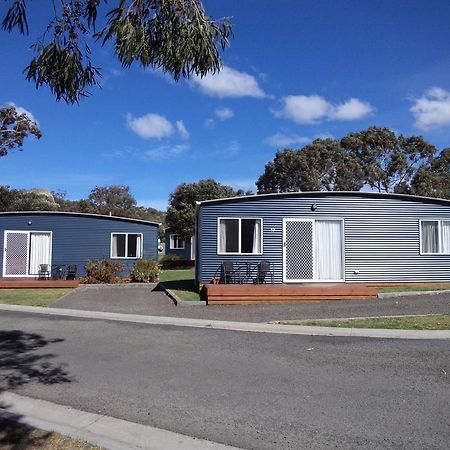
{"x":414,"y":288}
{"x":14,"y":436}
{"x":32,"y":297}
{"x":432,"y":322}
{"x":181,"y":282}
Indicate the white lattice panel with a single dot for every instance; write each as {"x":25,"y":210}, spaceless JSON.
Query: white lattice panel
{"x":299,"y":250}
{"x":16,"y":257}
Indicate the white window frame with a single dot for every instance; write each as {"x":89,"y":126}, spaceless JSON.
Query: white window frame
{"x":126,"y":246}
{"x":172,"y":242}
{"x":239,"y":235}
{"x":439,"y":222}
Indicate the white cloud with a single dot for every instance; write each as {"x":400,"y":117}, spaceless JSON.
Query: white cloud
{"x":184,"y":134}
{"x":352,"y":109}
{"x":224,"y":113}
{"x":314,"y":108}
{"x":166,"y":152}
{"x":21,"y":110}
{"x":155,"y":126}
{"x":432,"y":110}
{"x":229,"y":83}
{"x":286,"y":140}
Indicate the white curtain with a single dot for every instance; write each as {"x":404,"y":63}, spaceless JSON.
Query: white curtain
{"x":39,"y":251}
{"x":446,"y":237}
{"x":328,"y":249}
{"x":114,"y":246}
{"x":222,"y":236}
{"x":430,"y":237}
{"x":138,"y":245}
{"x":257,"y":237}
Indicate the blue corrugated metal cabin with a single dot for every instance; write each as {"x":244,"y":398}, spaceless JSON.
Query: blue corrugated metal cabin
{"x":326,"y":237}
{"x":176,"y":246}
{"x":62,"y":239}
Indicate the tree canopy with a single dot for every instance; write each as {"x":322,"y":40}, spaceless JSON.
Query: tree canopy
{"x":176,"y":36}
{"x":322,"y":165}
{"x":376,"y":157}
{"x":181,"y":212}
{"x":117,"y":200}
{"x":14,"y":128}
{"x":390,"y":162}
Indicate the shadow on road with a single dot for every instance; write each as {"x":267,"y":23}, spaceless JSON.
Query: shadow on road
{"x":21,"y":362}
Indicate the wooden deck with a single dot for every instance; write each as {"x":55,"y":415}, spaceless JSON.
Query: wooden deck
{"x":31,"y":283}
{"x":231,"y":294}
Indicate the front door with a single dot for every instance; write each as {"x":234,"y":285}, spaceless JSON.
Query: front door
{"x":24,"y":251}
{"x":313,"y":250}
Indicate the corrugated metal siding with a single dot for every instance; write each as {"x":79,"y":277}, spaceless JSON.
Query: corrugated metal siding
{"x":184,"y":254}
{"x":76,"y":239}
{"x":381,"y":235}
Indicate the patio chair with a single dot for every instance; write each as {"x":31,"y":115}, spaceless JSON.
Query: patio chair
{"x":71,"y":272}
{"x":262,"y":270}
{"x":229,"y":273}
{"x":44,"y":272}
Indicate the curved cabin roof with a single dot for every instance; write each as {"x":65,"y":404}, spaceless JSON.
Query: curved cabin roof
{"x":78,"y":214}
{"x":413,"y":198}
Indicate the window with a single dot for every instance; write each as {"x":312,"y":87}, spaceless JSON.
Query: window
{"x":176,"y":243}
{"x":126,"y":245}
{"x":242,"y":236}
{"x":435,"y":237}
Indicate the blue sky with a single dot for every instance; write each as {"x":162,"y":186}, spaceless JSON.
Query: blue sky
{"x":296,"y":70}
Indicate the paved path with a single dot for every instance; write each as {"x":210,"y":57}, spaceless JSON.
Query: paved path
{"x":144,"y":300}
{"x":249,"y":390}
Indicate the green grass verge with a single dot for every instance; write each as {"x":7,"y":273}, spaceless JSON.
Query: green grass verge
{"x":15,"y":436}
{"x":181,"y":282}
{"x":414,"y":288}
{"x":32,"y":297}
{"x":434,"y":322}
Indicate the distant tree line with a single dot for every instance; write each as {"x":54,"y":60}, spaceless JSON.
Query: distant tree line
{"x":116,"y":200}
{"x":376,"y":157}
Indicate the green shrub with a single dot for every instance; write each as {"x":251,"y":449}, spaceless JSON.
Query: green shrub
{"x":169,"y":258}
{"x":102,"y":271}
{"x":145,"y":271}
{"x":174,"y":262}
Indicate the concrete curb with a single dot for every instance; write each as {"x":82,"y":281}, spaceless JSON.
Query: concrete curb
{"x":233,"y":326}
{"x":107,"y":432}
{"x":177,"y":300}
{"x":411,"y":294}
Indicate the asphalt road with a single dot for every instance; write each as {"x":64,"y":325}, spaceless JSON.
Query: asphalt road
{"x":250,"y":390}
{"x":142,"y":299}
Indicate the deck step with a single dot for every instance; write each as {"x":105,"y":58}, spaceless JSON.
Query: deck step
{"x":37,"y":284}
{"x":265,"y":294}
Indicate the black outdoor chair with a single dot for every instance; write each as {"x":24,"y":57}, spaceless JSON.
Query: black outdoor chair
{"x":44,"y":272}
{"x":262,"y":271}
{"x":71,"y":272}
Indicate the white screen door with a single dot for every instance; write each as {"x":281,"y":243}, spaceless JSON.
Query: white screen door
{"x":40,"y":251}
{"x":313,"y":250}
{"x":24,"y":251}
{"x":15,"y":261}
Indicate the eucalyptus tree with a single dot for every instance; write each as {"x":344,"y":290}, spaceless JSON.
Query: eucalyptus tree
{"x":176,"y":36}
{"x":15,"y":126}
{"x":323,"y":165}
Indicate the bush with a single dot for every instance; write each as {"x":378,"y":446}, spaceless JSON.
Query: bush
{"x":102,"y":271}
{"x":145,"y":271}
{"x":175,"y":262}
